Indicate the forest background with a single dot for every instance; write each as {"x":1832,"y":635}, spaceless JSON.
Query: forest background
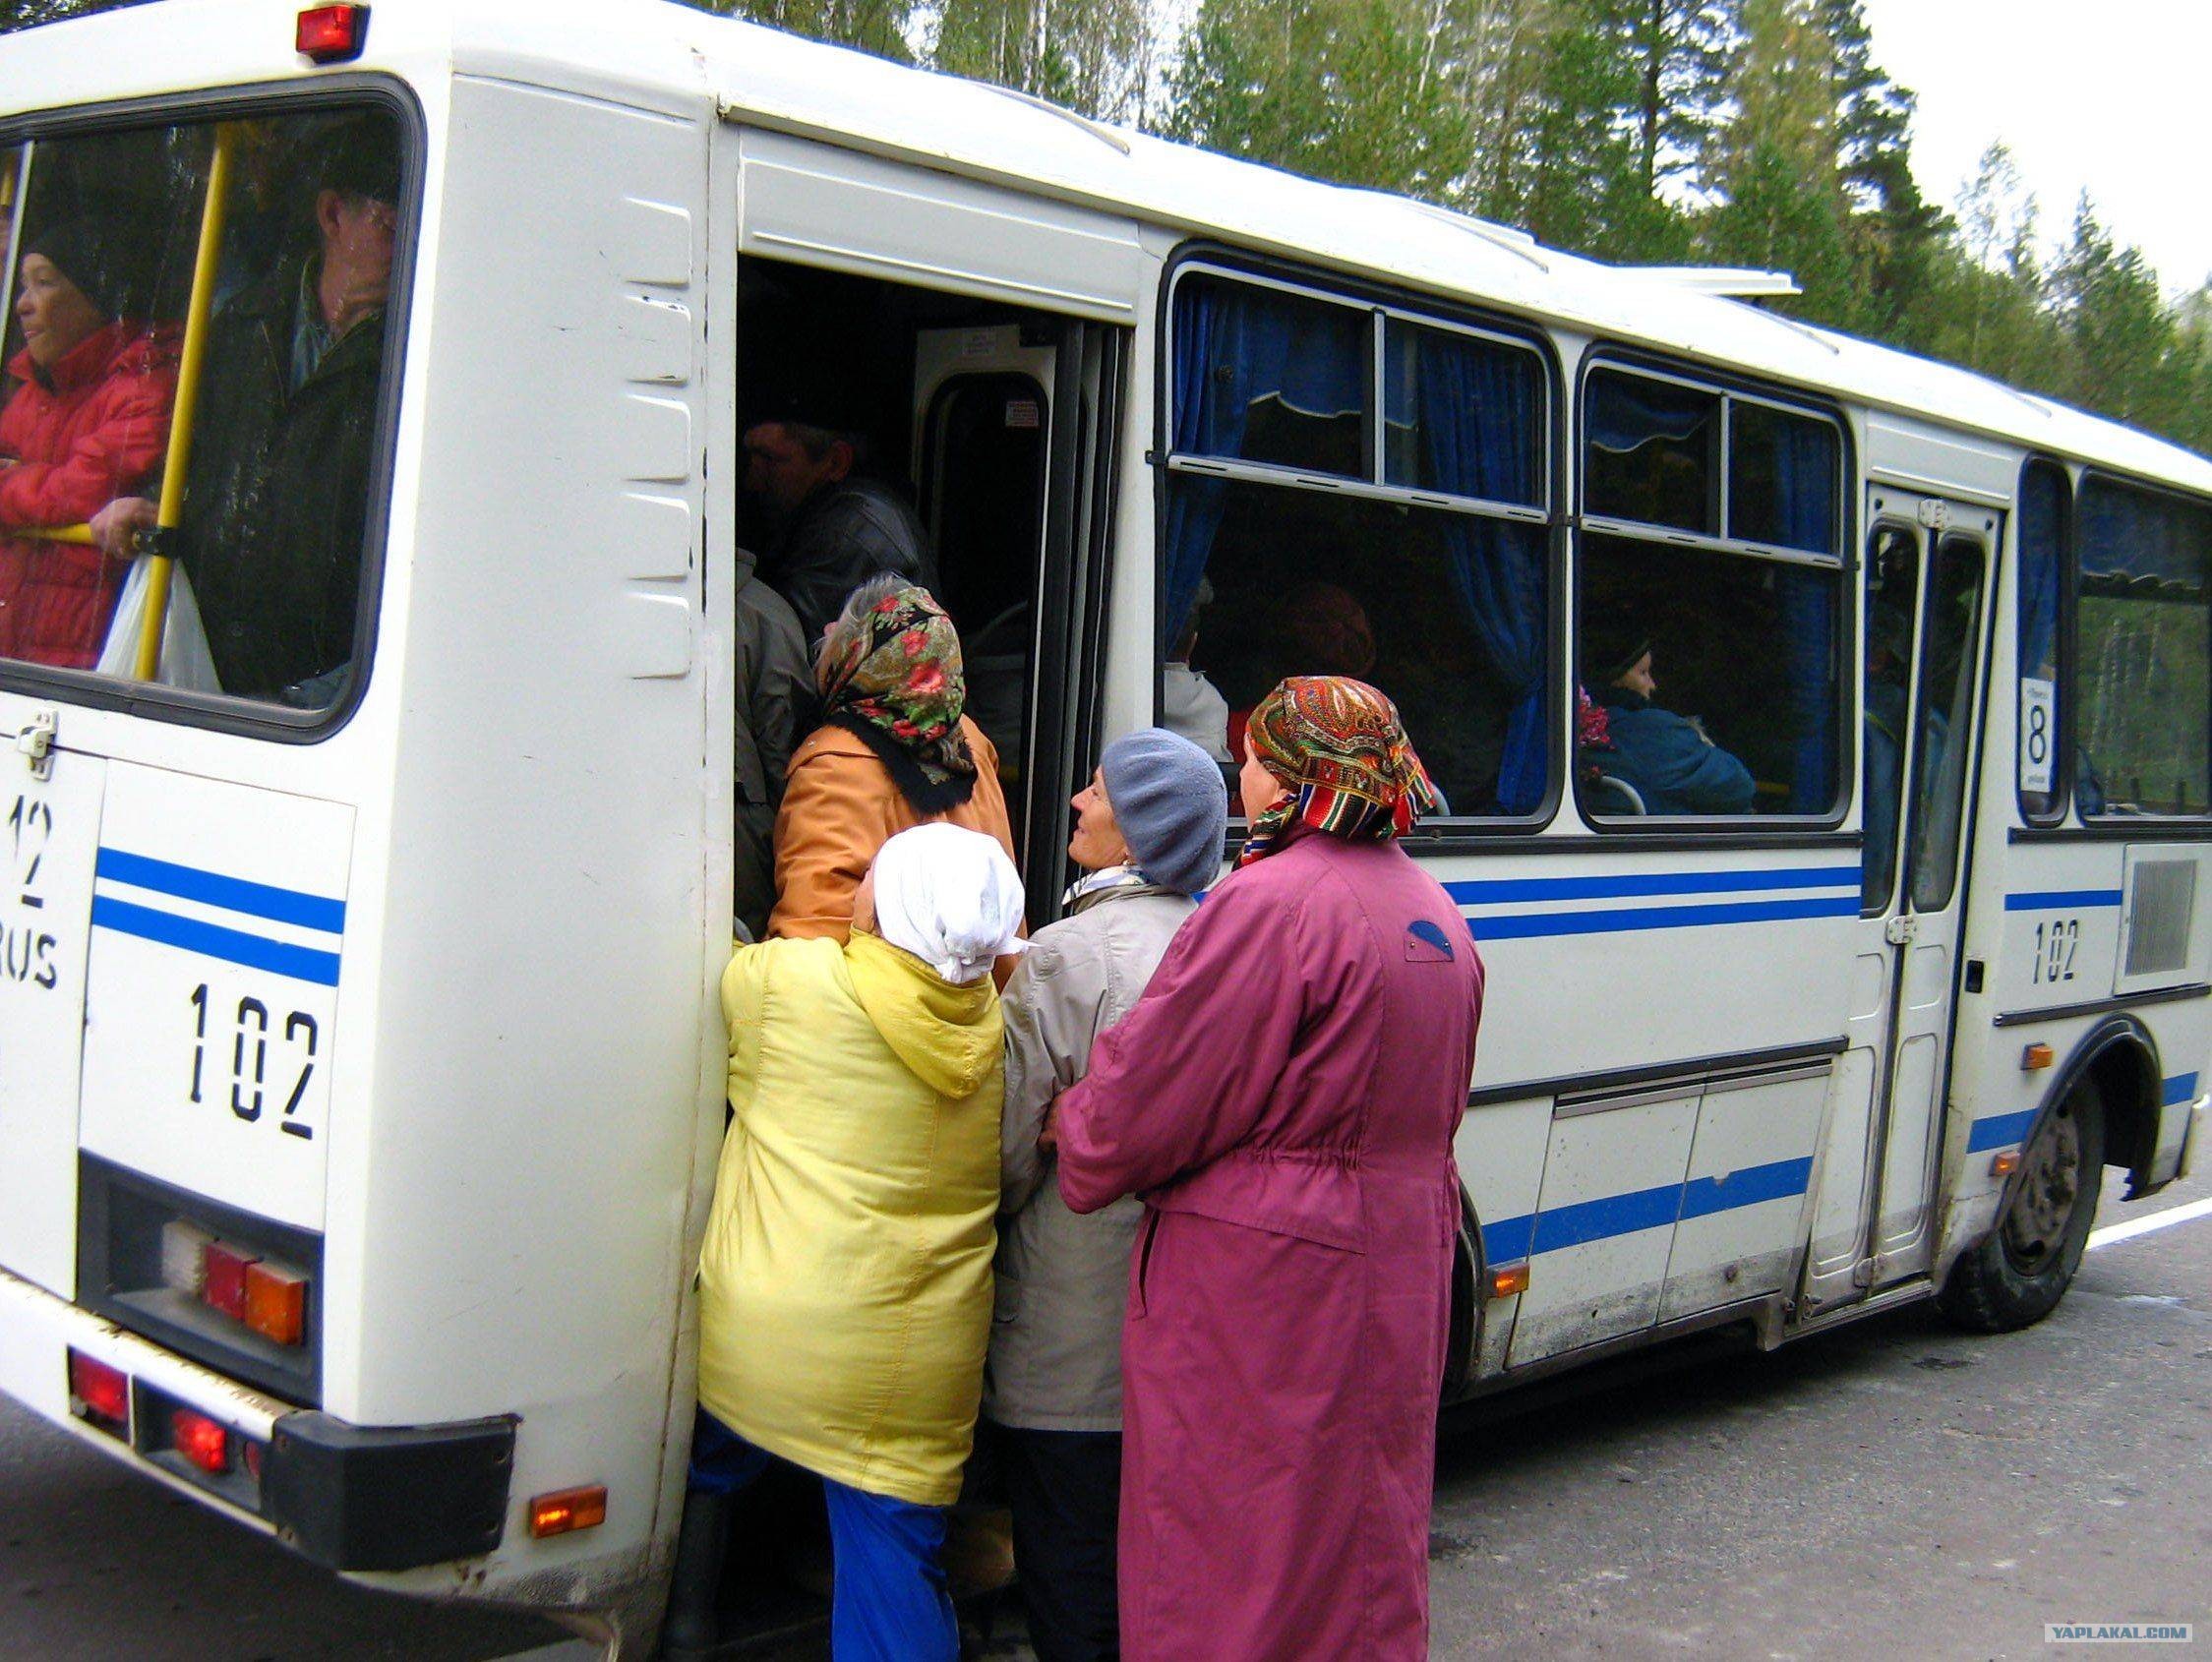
{"x":1755,"y":133}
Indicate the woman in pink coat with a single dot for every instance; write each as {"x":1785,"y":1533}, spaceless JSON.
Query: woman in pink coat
{"x":1283,"y":1098}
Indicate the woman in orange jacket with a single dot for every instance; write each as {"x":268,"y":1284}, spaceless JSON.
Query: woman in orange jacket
{"x":893,"y":750}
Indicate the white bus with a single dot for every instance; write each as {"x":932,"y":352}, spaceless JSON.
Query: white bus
{"x":361,"y":1073}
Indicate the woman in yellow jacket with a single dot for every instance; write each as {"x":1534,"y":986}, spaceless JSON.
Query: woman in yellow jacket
{"x":845,"y":1286}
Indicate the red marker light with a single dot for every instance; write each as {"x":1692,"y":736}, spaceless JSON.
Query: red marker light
{"x":100,"y":1394}
{"x":331,"y":34}
{"x":224,"y":1288}
{"x":201,"y":1441}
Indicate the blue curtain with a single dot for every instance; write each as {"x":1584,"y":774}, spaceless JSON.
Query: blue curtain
{"x":1805,"y":484}
{"x":1478,"y":416}
{"x":1236,"y":345}
{"x":2043,"y":509}
{"x":1625,"y":412}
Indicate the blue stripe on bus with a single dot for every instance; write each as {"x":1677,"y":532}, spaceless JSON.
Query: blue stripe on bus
{"x":2052,"y":900}
{"x":2181,"y":1088}
{"x":232,"y":894}
{"x":1998,"y":1131}
{"x":1513,"y":1238}
{"x":1499,"y":890}
{"x":209,"y":940}
{"x":1524,"y":924}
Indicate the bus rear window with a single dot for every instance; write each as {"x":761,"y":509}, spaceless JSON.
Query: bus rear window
{"x":202,"y":528}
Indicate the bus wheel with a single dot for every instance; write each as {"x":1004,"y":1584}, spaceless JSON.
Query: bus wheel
{"x":2020,"y":1272}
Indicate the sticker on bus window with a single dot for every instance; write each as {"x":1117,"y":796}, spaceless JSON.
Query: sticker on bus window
{"x":2039,"y":714}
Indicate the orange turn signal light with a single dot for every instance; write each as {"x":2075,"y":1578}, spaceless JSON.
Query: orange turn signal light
{"x":1509,"y":1279}
{"x":2005,"y":1164}
{"x":276,"y":1302}
{"x":2036,"y":1056}
{"x":567,"y":1509}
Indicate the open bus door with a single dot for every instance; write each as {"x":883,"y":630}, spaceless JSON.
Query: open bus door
{"x":1927,"y":578}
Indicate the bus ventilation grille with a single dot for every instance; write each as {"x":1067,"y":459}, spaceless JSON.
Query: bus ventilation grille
{"x":2158,"y":912}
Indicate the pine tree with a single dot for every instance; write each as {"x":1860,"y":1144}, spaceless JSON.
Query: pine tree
{"x":2126,"y":349}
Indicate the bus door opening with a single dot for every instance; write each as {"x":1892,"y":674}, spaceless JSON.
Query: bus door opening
{"x":986,"y":424}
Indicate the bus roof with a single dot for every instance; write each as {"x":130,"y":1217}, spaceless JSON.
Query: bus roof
{"x":673,"y":57}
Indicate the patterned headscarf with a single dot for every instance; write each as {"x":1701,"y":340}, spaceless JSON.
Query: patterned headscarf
{"x":1338,"y":745}
{"x":893,"y":675}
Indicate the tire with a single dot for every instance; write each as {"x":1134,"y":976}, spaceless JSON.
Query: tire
{"x":2017,"y":1275}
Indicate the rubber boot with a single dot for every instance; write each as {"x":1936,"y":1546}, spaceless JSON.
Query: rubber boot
{"x":692,"y":1628}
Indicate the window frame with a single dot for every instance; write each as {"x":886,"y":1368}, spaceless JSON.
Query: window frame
{"x":2086,"y":475}
{"x":2069,"y":581}
{"x":1383,"y":303}
{"x":287,"y":99}
{"x":1702,"y":830}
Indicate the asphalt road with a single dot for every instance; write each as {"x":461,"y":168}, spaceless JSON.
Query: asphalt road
{"x":1894,"y":1489}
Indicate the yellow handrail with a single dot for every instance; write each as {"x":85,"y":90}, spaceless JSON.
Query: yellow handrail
{"x":179,"y":463}
{"x":60,"y":533}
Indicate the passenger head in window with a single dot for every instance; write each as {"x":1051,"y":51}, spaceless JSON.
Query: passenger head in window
{"x":830,"y":524}
{"x":86,"y":420}
{"x":1319,"y":629}
{"x":1667,"y":761}
{"x":895,"y":749}
{"x":277,"y":505}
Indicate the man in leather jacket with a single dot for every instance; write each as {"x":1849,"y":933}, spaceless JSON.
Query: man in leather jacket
{"x":838,"y":526}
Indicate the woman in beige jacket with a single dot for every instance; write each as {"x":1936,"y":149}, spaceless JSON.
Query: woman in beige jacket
{"x":1147,"y":837}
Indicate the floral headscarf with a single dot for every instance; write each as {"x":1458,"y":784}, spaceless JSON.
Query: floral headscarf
{"x":893,"y":675}
{"x":1338,"y":745}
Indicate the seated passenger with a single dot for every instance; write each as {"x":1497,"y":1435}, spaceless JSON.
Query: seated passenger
{"x":86,"y":420}
{"x":894,"y":749}
{"x":1190,"y":705}
{"x":1320,"y":629}
{"x":1668,"y":759}
{"x":1147,"y":837}
{"x":833,"y":526}
{"x":845,"y":1285}
{"x":277,"y":506}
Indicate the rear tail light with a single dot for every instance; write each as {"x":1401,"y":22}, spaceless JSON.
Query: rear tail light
{"x":184,"y":1263}
{"x":204,"y":1442}
{"x":224,"y":1285}
{"x":99,"y":1395}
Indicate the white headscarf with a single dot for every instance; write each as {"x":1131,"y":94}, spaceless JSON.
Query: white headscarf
{"x":949,"y":895}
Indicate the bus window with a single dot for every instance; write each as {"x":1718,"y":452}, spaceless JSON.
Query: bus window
{"x":1950,"y":635}
{"x":268,"y":518}
{"x":1653,"y":453}
{"x":1430,"y":579}
{"x":1714,"y":672}
{"x":2142,"y":652}
{"x":2045,"y":493}
{"x":1892,"y":584}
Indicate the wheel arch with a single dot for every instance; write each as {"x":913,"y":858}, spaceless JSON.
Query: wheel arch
{"x":2121,"y":1057}
{"x":1462,"y":1350}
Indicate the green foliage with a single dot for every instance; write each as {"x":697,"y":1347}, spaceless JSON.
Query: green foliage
{"x":28,"y":14}
{"x":874,"y":26}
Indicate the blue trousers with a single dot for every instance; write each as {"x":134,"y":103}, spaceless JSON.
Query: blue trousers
{"x":889,"y":1601}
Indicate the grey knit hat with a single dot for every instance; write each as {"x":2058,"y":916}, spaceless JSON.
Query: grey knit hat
{"x":1172,"y":804}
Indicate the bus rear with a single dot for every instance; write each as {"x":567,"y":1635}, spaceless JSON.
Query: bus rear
{"x":356,"y":1081}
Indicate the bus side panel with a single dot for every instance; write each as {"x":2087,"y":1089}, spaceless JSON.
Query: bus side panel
{"x":49,"y":841}
{"x":516,"y":1224}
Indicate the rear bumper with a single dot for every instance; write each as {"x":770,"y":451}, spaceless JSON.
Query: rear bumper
{"x":2194,"y":1145}
{"x":350,"y":1498}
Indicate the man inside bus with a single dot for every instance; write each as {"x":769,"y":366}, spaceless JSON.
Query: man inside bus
{"x":1669,"y":761}
{"x":833,"y":525}
{"x":277,"y":500}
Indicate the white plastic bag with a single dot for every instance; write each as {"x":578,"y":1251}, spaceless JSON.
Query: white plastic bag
{"x":186,"y":661}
